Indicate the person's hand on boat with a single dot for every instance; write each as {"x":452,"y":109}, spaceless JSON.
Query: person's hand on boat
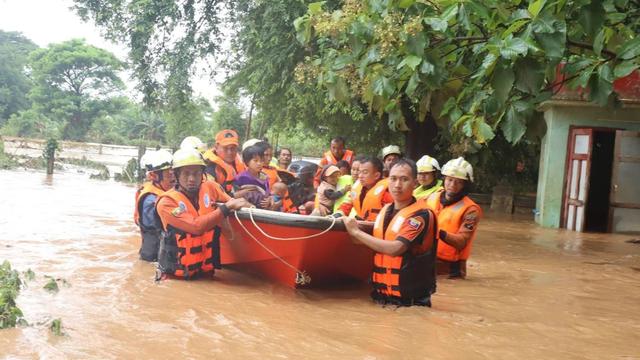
{"x":266,"y":203}
{"x":350,"y":224}
{"x":236,"y":204}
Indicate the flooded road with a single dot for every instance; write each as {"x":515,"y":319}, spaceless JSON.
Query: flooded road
{"x":531,"y":293}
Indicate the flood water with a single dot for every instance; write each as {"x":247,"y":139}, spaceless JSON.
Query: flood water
{"x":531,"y":293}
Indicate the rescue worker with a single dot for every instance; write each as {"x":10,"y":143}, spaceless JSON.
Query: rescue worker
{"x":193,"y":142}
{"x":390,"y":154}
{"x":404,"y":241}
{"x":191,"y":219}
{"x":223,"y":161}
{"x":284,"y":158}
{"x":158,"y":167}
{"x":458,"y":218}
{"x":369,"y":194}
{"x":337,"y":151}
{"x":428,"y":181}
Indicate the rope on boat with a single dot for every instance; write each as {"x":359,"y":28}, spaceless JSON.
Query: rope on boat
{"x":302,"y":278}
{"x":333,"y":223}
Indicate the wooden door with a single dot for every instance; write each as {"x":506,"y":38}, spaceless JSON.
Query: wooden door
{"x":624,"y":204}
{"x":577,"y":178}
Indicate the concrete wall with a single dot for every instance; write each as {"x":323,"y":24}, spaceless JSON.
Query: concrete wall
{"x":559,"y":115}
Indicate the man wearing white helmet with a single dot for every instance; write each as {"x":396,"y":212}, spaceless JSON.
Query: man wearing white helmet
{"x":160,"y":179}
{"x":458,"y":218}
{"x":191,"y":219}
{"x":390,"y":154}
{"x":193,"y":142}
{"x":428,"y":181}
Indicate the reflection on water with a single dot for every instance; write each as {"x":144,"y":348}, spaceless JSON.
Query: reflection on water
{"x":532,"y":293}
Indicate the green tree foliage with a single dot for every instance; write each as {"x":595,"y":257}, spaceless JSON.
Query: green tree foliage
{"x":481,"y":66}
{"x":229,"y":116}
{"x":14,"y":84}
{"x":73,"y":84}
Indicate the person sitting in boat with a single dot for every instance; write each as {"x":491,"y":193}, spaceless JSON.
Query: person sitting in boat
{"x":223,"y":161}
{"x":327,"y":193}
{"x":270,"y":171}
{"x":193,"y":219}
{"x":390,"y":154}
{"x":428,"y":181}
{"x":369,"y":194}
{"x":337,"y":151}
{"x":404,"y":241}
{"x":345,"y":182}
{"x":302,"y":191}
{"x":284,"y":158}
{"x":458,"y":218}
{"x":253,"y":184}
{"x":280,"y":193}
{"x":158,"y":167}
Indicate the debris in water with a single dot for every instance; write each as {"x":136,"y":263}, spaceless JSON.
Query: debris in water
{"x":56,"y":327}
{"x":10,"y":313}
{"x":52,"y":286}
{"x":29,"y":275}
{"x":633,"y":241}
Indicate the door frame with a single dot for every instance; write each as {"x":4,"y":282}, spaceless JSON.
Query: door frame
{"x":620,"y":133}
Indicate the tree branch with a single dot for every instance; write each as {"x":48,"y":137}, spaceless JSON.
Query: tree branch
{"x":586,"y":46}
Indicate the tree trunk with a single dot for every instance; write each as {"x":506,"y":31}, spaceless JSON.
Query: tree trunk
{"x":421,"y":138}
{"x":247,"y":134}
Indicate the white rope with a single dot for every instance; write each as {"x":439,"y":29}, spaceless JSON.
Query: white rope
{"x":302,"y":278}
{"x":333,"y":223}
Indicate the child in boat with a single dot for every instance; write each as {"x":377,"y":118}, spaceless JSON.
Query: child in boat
{"x":252,"y":184}
{"x":327,"y":193}
{"x":279,"y":194}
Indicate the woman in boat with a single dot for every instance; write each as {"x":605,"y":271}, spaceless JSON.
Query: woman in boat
{"x":429,"y":183}
{"x":404,"y":239}
{"x":253,"y":184}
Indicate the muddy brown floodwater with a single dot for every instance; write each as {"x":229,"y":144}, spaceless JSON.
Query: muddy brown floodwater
{"x":532,"y":293}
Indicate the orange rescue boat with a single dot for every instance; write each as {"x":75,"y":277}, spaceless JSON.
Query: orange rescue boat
{"x":295,"y":250}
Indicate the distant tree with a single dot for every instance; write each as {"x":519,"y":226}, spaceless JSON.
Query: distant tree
{"x":74,"y":83}
{"x":229,"y":116}
{"x":14,"y":83}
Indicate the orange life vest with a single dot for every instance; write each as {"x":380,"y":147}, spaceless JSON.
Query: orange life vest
{"x":150,"y":237}
{"x":450,"y":219}
{"x":411,"y":275}
{"x":272,"y":173}
{"x":288,"y":206}
{"x":186,"y":255}
{"x":370,"y":207}
{"x":329,"y":159}
{"x":222,"y":172}
{"x":147,"y":188}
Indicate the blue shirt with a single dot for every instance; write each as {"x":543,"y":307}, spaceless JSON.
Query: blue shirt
{"x":149,"y":217}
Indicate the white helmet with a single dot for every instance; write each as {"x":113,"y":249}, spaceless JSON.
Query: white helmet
{"x":250,"y":142}
{"x":145,"y":160}
{"x":193,"y":142}
{"x":391,"y":149}
{"x":427,"y":164}
{"x":458,"y":168}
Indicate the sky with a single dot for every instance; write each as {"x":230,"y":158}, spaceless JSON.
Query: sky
{"x":52,"y":21}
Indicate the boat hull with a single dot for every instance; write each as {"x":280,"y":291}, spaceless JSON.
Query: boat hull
{"x":324,"y":257}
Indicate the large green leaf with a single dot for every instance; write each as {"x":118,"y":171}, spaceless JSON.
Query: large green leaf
{"x":512,"y":47}
{"x":417,"y":43}
{"x":410,"y":61}
{"x":529,"y":75}
{"x":630,"y":49}
{"x":535,"y":7}
{"x":382,"y":86}
{"x":403,"y":4}
{"x":601,"y":85}
{"x":502,"y":82}
{"x":412,"y":84}
{"x":513,"y":125}
{"x":592,"y":17}
{"x":316,"y":7}
{"x":482,"y":131}
{"x":625,"y":68}
{"x":436,"y":24}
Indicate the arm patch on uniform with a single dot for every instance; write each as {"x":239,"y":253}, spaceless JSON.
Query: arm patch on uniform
{"x":414,"y":223}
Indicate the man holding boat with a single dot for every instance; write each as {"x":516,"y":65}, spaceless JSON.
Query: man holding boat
{"x":404,"y":239}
